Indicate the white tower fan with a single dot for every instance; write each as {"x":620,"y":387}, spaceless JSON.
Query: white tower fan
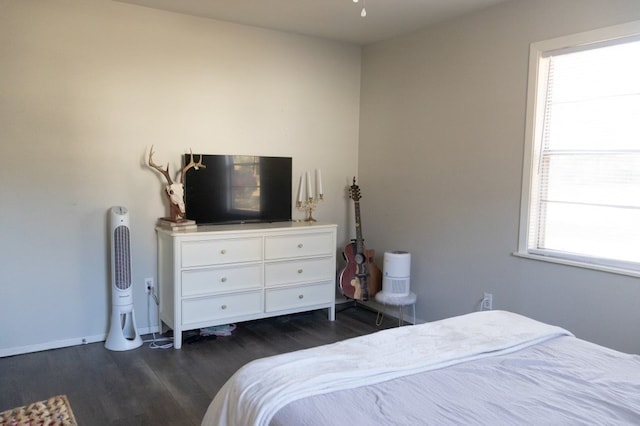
{"x":123,"y":334}
{"x":396,"y":279}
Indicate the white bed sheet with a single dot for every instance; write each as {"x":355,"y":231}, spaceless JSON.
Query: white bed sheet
{"x":563,"y":381}
{"x":261,"y":388}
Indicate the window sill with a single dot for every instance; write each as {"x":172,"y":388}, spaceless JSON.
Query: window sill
{"x":578,"y":264}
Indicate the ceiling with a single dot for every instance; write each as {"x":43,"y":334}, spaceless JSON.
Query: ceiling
{"x":332,"y":19}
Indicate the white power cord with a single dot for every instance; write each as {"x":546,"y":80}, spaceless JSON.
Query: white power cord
{"x":153,"y":343}
{"x":486,"y":303}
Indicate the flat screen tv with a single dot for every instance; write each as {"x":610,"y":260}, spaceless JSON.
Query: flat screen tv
{"x":238,"y":189}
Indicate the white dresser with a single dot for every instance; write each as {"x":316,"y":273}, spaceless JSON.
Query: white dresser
{"x":230,"y":273}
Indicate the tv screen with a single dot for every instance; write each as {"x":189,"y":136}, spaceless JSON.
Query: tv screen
{"x":238,"y":188}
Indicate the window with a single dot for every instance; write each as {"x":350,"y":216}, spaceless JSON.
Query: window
{"x":581,"y":182}
{"x":245,"y":183}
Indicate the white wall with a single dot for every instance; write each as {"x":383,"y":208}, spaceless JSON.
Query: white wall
{"x":86,"y":87}
{"x":441,"y":148}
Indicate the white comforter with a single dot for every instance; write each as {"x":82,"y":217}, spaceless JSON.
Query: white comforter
{"x":258,"y":390}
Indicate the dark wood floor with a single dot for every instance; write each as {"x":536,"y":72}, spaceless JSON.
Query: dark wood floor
{"x":165,"y":386}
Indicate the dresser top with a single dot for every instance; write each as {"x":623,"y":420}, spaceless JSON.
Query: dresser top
{"x":239,"y":227}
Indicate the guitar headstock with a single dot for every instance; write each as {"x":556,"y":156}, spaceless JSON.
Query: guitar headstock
{"x":354,"y":191}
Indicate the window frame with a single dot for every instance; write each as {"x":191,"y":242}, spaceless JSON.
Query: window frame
{"x":535,"y":111}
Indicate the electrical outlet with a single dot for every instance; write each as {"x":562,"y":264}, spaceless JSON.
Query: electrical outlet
{"x":487,"y":302}
{"x":148,"y":285}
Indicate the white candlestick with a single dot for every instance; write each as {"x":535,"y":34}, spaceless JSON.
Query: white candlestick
{"x":300,"y":190}
{"x":319,"y":182}
{"x":309,"y":190}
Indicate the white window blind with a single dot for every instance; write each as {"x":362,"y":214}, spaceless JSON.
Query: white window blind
{"x":584,"y":201}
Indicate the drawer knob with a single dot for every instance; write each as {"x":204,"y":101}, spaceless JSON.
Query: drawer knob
{"x":301,"y":296}
{"x":223,"y":279}
{"x":223,"y":251}
{"x":300,"y":271}
{"x":300,"y":245}
{"x":223,"y":307}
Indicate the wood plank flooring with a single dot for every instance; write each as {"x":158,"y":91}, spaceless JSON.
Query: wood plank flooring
{"x":165,"y":386}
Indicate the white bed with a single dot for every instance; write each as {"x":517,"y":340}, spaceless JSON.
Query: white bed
{"x":490,"y":367}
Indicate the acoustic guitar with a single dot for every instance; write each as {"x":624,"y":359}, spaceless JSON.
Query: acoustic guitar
{"x":360,"y":279}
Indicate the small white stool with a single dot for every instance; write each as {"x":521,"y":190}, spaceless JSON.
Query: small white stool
{"x":394,"y":300}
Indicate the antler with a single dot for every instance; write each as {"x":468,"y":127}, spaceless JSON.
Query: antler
{"x":192,"y":164}
{"x":165,"y":172}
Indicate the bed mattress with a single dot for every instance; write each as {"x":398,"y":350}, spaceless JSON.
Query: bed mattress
{"x":482,"y":368}
{"x":563,"y":381}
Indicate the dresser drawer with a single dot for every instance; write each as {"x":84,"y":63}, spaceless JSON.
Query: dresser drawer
{"x":221,"y":251}
{"x":223,"y":279}
{"x":286,"y":246}
{"x":298,"y":271}
{"x":221,"y":307}
{"x":278,"y":299}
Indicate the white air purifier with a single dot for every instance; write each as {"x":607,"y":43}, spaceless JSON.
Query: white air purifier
{"x":396,"y":278}
{"x":123,"y":333}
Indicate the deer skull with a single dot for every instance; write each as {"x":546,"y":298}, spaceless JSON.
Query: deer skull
{"x":175,"y":191}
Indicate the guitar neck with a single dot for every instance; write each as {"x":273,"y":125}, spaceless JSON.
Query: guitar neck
{"x":359,"y":240}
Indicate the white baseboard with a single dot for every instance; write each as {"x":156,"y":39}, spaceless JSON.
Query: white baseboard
{"x":57,"y":344}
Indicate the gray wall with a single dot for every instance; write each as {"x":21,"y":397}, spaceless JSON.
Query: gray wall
{"x":441,"y":148}
{"x":86,"y":87}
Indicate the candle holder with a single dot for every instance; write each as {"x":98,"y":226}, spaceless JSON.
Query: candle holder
{"x":308,"y":206}
{"x":306,"y":200}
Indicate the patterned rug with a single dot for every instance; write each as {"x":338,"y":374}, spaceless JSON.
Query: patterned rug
{"x":54,"y":411}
